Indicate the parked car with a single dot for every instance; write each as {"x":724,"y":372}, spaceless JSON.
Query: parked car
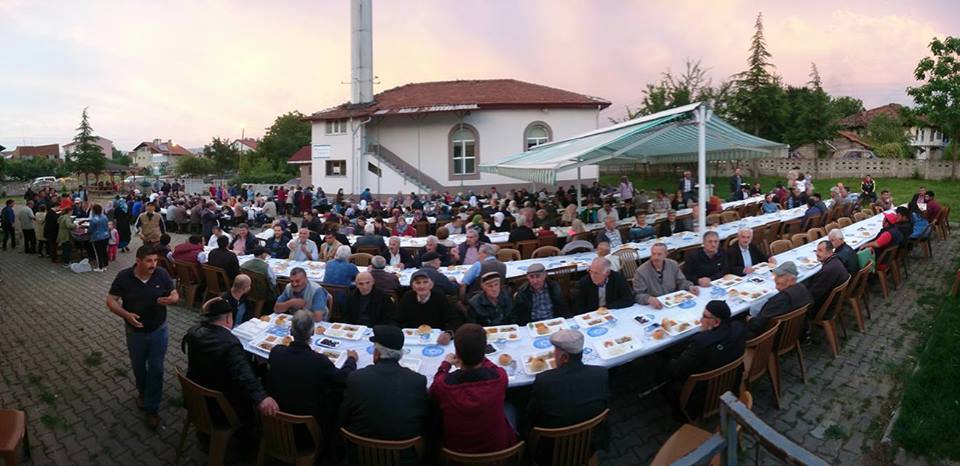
{"x":43,"y":181}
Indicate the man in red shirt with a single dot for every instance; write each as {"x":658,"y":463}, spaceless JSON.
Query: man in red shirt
{"x":933,"y":207}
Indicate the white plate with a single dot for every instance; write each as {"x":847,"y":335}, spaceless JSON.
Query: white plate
{"x":411,"y":363}
{"x":337,"y":357}
{"x":595,"y":318}
{"x":506,"y":332}
{"x":617,"y":346}
{"x":546,"y":327}
{"x":412,"y":337}
{"x":676,"y":298}
{"x":547,"y":356}
{"x":344,"y":331}
{"x":728,"y":281}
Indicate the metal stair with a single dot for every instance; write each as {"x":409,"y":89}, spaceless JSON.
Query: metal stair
{"x":405,"y":170}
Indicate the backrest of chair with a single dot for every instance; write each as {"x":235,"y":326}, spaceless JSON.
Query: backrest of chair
{"x":762,"y":346}
{"x":526,"y":247}
{"x":372,"y":250}
{"x":858,"y":282}
{"x":798,"y":239}
{"x":545,"y":251}
{"x":360,"y":259}
{"x":585,"y":236}
{"x":187,"y":272}
{"x":421,"y":228}
{"x":259,"y":286}
{"x":887,"y":256}
{"x":373,"y":452}
{"x":859,"y":216}
{"x":831,"y":226}
{"x":790,"y":226}
{"x":571,"y":444}
{"x":279,"y":439}
{"x":507,"y":255}
{"x":198,"y":409}
{"x":844,"y":222}
{"x":629,"y":261}
{"x":549,"y":240}
{"x":170,"y":268}
{"x":780,"y":246}
{"x":718,"y":381}
{"x":506,"y":457}
{"x":216,"y":279}
{"x":833,"y":300}
{"x":791,"y":325}
{"x":713,"y":219}
{"x":729,"y":216}
{"x":815,"y":234}
{"x":813,"y":221}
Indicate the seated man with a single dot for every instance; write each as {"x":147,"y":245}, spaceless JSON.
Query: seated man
{"x":889,"y":236}
{"x":602,"y":287}
{"x":433,"y":246}
{"x":659,"y":276}
{"x":471,"y":399}
{"x":844,"y":252}
{"x":216,"y":361}
{"x":790,"y":297}
{"x":603,"y":250}
{"x":397,"y":256}
{"x":370,"y":238}
{"x":300,"y":377}
{"x":258,"y":264}
{"x":640,"y":231}
{"x":302,"y":248}
{"x":277,"y":244}
{"x":720,"y":342}
{"x":539,"y":298}
{"x":430,"y":264}
{"x":216,"y":233}
{"x":236,"y":297}
{"x":522,"y":232}
{"x":367,"y":305}
{"x":487,"y":262}
{"x":384,"y":281}
{"x":610,"y":233}
{"x":832,"y":273}
{"x":188,"y":251}
{"x":339,"y":271}
{"x":492,"y":306}
{"x":301,"y":293}
{"x":385,"y":400}
{"x":422,"y":305}
{"x":707,"y":263}
{"x":224,"y":258}
{"x":743,"y":255}
{"x":570,"y":394}
{"x":671,"y":225}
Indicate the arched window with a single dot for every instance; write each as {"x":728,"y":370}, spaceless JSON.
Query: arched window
{"x":464,"y":151}
{"x":536,"y":133}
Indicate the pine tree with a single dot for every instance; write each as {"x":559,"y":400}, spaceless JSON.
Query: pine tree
{"x":815,"y":77}
{"x":758,"y":100}
{"x":87,"y":157}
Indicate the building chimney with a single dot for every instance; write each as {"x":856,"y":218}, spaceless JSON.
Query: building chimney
{"x":361,"y":56}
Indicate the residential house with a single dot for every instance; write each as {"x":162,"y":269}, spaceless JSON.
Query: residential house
{"x":301,"y":159}
{"x":928,"y":141}
{"x":846,"y":144}
{"x":156,"y":155}
{"x":49,"y":152}
{"x":245,"y":145}
{"x":105,"y":144}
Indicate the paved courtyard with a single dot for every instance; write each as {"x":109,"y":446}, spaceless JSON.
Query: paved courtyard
{"x":63,"y":359}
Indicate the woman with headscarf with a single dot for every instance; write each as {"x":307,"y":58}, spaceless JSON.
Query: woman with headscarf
{"x":402,"y":228}
{"x":121,"y":217}
{"x":569,"y":214}
{"x":499,"y":225}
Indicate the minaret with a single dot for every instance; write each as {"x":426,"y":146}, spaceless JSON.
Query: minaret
{"x":361,"y":56}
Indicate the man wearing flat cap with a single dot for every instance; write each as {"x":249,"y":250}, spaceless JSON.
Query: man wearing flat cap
{"x":790,"y":297}
{"x":540,"y":298}
{"x":720,"y":342}
{"x":570,"y":394}
{"x":492,"y":306}
{"x":430,"y":264}
{"x":385,"y":400}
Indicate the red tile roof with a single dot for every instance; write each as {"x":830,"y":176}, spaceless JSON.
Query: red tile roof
{"x":165,"y":148}
{"x":862,"y":119}
{"x":249,"y":142}
{"x":46,"y":151}
{"x":300,"y":156}
{"x":445,"y":96}
{"x":852,"y":137}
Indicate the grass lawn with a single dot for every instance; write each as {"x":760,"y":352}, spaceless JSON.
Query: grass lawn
{"x":902,"y":189}
{"x":929,"y":422}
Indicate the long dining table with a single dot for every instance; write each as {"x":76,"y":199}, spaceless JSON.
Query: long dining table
{"x":612,"y":337}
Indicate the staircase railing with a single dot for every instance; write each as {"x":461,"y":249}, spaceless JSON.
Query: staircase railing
{"x":405,"y":170}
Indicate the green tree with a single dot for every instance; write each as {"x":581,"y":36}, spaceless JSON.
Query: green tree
{"x":28,"y":169}
{"x":191,"y":165}
{"x":938,"y":98}
{"x":120,"y":158}
{"x":845,"y":106}
{"x":758,"y":100}
{"x":286,"y":136}
{"x":810,"y":116}
{"x":888,"y":136}
{"x":87,"y":157}
{"x":225,"y":157}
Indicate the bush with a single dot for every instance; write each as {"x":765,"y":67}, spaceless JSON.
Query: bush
{"x":259,"y":170}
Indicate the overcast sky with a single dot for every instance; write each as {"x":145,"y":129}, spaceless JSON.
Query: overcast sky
{"x":190,"y":70}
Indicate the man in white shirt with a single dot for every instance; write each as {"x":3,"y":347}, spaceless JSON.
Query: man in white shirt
{"x":302,"y":248}
{"x":217,"y":233}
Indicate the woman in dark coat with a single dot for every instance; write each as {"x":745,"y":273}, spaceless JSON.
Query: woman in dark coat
{"x":121,"y":219}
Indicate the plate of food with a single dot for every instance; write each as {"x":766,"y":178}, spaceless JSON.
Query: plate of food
{"x":592,"y":319}
{"x":808,"y":262}
{"x":503,"y":332}
{"x":506,"y":361}
{"x":676,"y":328}
{"x":676,"y":298}
{"x":411,"y":363}
{"x":617,"y":346}
{"x":728,"y":281}
{"x":422,"y":335}
{"x":536,"y":363}
{"x":546,"y":327}
{"x":335,"y":356}
{"x":265,"y":344}
{"x":345,"y":331}
{"x":749,"y":294}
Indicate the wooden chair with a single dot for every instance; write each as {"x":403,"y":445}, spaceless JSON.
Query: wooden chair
{"x":798,"y":239}
{"x":729,"y":216}
{"x":857,"y":293}
{"x":216,"y":280}
{"x":260,"y":291}
{"x":924,"y":240}
{"x":830,"y":226}
{"x":955,"y":288}
{"x":564,"y":276}
{"x":188,"y":282}
{"x":507,"y":255}
{"x":788,"y":339}
{"x":844,"y":222}
{"x":336,"y":294}
{"x":279,"y":441}
{"x":899,"y":264}
{"x":790,"y":227}
{"x":883,"y":267}
{"x":421,"y":228}
{"x":199,"y":401}
{"x":943,"y":222}
{"x":688,"y":437}
{"x":373,"y":452}
{"x":526,"y":247}
{"x":549,"y":240}
{"x":585,"y":236}
{"x":828,"y":314}
{"x":360,"y":259}
{"x":718,"y":381}
{"x":815,"y":234}
{"x":759,"y":356}
{"x":629,"y":261}
{"x":859,"y":217}
{"x":371,"y":250}
{"x":713,"y":219}
{"x":505,"y":457}
{"x":765,"y":235}
{"x":780,"y":246}
{"x":571,"y":445}
{"x":545,"y":251}
{"x":812,"y":222}
{"x":13,"y":436}
{"x":170,"y":268}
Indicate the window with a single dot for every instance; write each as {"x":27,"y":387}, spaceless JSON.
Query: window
{"x":536,"y":133}
{"x":464,"y":153}
{"x":336,"y":168}
{"x":374,"y":169}
{"x":337,"y":126}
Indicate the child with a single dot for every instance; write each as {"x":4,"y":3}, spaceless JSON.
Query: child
{"x":113,"y":243}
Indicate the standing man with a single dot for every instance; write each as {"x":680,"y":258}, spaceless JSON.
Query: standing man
{"x":26,"y":219}
{"x":686,"y":188}
{"x":736,"y":182}
{"x":140,"y":295}
{"x":7,"y":220}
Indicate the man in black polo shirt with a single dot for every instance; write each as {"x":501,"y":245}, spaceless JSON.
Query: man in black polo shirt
{"x":707,"y":263}
{"x":140,"y":295}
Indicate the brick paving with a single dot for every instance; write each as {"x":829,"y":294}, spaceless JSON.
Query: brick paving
{"x":63,"y":359}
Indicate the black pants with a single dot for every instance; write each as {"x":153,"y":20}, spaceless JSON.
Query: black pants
{"x":51,"y":247}
{"x":30,"y":241}
{"x":9,"y":234}
{"x":100,"y":250}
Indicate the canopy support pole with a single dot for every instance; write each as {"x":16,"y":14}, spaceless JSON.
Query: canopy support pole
{"x":702,"y":167}
{"x":579,"y":201}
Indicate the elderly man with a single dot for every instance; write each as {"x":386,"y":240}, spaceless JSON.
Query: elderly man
{"x":659,"y":276}
{"x":300,"y":377}
{"x":301,"y":293}
{"x":487,"y":262}
{"x":736,"y":181}
{"x":368,"y":305}
{"x":468,"y":252}
{"x":384,"y":281}
{"x":302,"y":248}
{"x":571,"y":393}
{"x":243,"y":242}
{"x":843,"y":251}
{"x":397,"y":256}
{"x":258,"y":264}
{"x":370,"y":238}
{"x":610,"y":234}
{"x":215,"y":235}
{"x":603,"y":250}
{"x":430,"y":264}
{"x":686,"y":187}
{"x":707,"y":263}
{"x":386,"y":400}
{"x":522,"y":231}
{"x":235,"y":298}
{"x":832,"y":273}
{"x":216,"y":360}
{"x":743,"y":255}
{"x":602,"y":287}
{"x":671,"y":225}
{"x":539,"y":298}
{"x":423,"y":305}
{"x":790,"y":297}
{"x":433,"y":245}
{"x":493,"y":305}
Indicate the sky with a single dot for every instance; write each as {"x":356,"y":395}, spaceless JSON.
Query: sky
{"x":190,"y":70}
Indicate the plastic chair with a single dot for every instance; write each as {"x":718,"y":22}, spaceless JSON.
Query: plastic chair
{"x":828,"y":313}
{"x":883,"y":266}
{"x":799,"y":239}
{"x":571,"y":445}
{"x":360,"y":259}
{"x":688,"y":437}
{"x":831,"y":226}
{"x":373,"y":452}
{"x":188,"y":281}
{"x":198,"y":401}
{"x":729,"y":216}
{"x":216,"y":280}
{"x":13,"y":436}
{"x":548,"y":240}
{"x":628,"y":262}
{"x":526,"y":247}
{"x":859,"y":217}
{"x":507,"y":456}
{"x":788,"y":339}
{"x":718,"y":381}
{"x":545,"y":251}
{"x":758,"y":357}
{"x":812,"y":222}
{"x":713,"y":219}
{"x":780,"y":246}
{"x":815,"y":234}
{"x":507,"y":255}
{"x":844,"y":222}
{"x":279,"y":441}
{"x":790,"y":227}
{"x":260,"y":291}
{"x":857,"y":292}
{"x":371,"y":250}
